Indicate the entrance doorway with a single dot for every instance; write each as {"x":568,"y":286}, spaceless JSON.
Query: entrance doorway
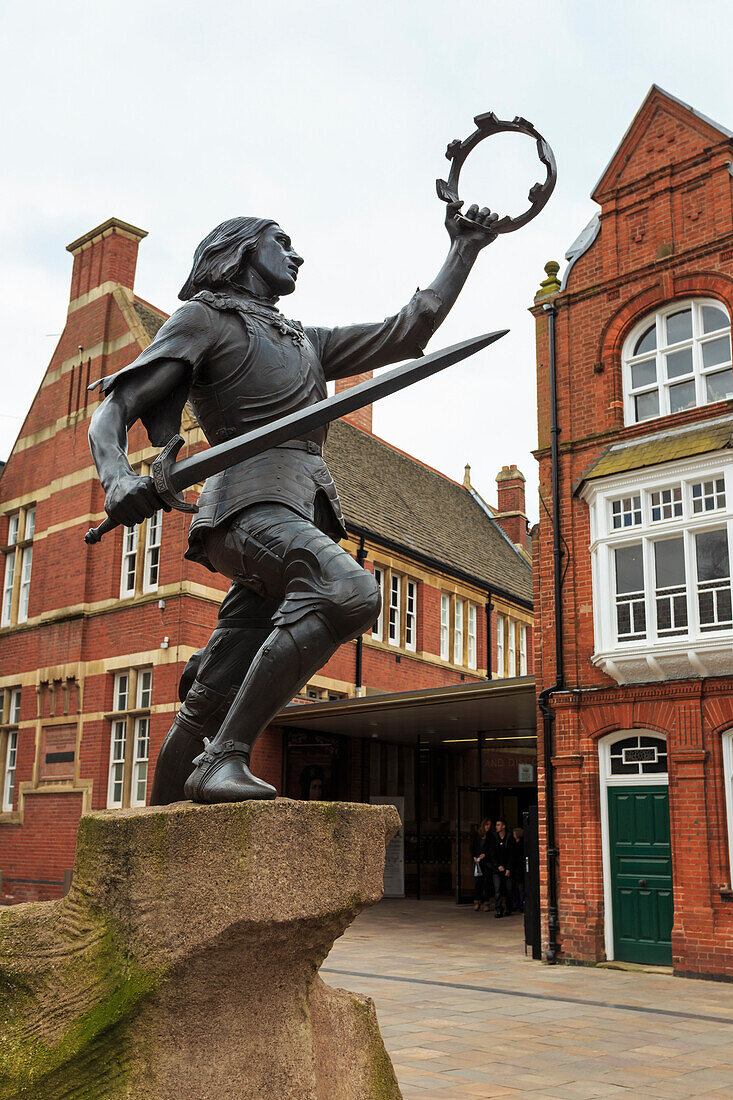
{"x":508,"y":804}
{"x":641,"y":873}
{"x":637,"y":854}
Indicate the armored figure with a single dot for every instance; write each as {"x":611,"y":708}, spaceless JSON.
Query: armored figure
{"x":272,"y":523}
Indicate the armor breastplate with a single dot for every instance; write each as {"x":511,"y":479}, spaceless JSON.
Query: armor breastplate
{"x":256,"y":380}
{"x":253,"y":379}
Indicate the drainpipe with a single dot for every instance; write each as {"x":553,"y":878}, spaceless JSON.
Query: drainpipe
{"x":548,"y":717}
{"x":489,"y":608}
{"x":358,"y":673}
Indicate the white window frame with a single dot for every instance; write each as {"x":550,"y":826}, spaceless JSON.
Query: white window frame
{"x":11,"y":756}
{"x":659,"y":779}
{"x":444,"y":626}
{"x":128,"y":575}
{"x":117,"y":762}
{"x":727,"y":747}
{"x":144,"y":690}
{"x":26,"y":564}
{"x":459,"y":618}
{"x":411,"y":615}
{"x":643,"y":658}
{"x":12,"y":701}
{"x":512,"y":632}
{"x":523,"y":649}
{"x":500,"y":645}
{"x":129,"y":737}
{"x":8,"y":588}
{"x":472,"y":636}
{"x":140,"y":757}
{"x":394,"y":610}
{"x":378,"y":628}
{"x":696,"y":342}
{"x":153,"y":533}
{"x":121,"y":692}
{"x":18,"y":566}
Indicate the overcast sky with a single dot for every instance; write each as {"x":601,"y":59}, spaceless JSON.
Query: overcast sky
{"x":333,"y":118}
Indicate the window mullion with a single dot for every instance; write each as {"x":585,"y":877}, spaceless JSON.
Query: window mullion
{"x":650,"y":588}
{"x":693,"y":616}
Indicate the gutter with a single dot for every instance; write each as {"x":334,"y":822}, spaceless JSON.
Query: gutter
{"x":548,"y":718}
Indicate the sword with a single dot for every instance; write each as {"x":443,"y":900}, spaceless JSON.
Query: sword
{"x":171,"y":477}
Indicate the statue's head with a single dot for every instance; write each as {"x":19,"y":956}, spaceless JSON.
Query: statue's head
{"x":252,"y":254}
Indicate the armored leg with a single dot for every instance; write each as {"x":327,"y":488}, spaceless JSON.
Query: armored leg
{"x":328,"y":599}
{"x":209,"y":684}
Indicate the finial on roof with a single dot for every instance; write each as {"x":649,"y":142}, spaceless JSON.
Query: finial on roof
{"x":550,"y":285}
{"x":467,"y":476}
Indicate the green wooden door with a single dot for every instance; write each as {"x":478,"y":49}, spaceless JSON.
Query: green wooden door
{"x":641,"y":873}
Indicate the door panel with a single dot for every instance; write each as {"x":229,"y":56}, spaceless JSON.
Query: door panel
{"x":641,"y":873}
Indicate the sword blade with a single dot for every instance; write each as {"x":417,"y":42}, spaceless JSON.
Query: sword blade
{"x":189,"y":471}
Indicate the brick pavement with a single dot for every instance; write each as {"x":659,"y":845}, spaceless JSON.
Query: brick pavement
{"x":525,"y":1029}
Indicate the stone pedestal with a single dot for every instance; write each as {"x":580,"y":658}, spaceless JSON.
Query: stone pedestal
{"x":183,"y":964}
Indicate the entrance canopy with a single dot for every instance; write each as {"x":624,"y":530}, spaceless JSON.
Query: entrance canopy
{"x":501,"y":712}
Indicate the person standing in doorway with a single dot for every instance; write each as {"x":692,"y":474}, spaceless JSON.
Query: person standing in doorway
{"x":501,"y":851}
{"x":482,"y":882}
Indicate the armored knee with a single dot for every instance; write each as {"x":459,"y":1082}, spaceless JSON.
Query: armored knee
{"x":356,"y":605}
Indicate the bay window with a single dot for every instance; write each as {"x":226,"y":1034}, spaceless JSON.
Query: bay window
{"x":663,"y":550}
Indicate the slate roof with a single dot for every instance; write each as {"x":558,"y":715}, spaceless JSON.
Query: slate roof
{"x":659,"y":448}
{"x":150,"y":319}
{"x":393,"y":495}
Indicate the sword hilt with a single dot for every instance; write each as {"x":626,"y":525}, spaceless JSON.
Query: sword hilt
{"x":160,"y":471}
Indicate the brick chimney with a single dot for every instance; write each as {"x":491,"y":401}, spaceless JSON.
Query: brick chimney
{"x":510,"y":513}
{"x":104,"y":258}
{"x":362,"y":418}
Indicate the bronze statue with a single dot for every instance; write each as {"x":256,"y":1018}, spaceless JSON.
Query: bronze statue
{"x":272,"y":522}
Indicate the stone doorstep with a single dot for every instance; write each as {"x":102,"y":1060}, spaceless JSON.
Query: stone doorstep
{"x":637,"y":968}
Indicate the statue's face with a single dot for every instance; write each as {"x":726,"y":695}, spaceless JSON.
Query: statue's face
{"x":276,"y":261}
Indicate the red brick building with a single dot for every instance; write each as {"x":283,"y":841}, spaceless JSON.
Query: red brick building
{"x":635,"y":645}
{"x":93,"y":640}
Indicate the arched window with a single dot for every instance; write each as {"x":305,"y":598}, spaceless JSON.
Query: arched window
{"x":676,"y":359}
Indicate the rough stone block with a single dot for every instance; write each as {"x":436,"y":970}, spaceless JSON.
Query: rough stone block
{"x":184,"y":961}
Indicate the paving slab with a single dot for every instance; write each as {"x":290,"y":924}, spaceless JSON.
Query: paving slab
{"x":465,"y":1013}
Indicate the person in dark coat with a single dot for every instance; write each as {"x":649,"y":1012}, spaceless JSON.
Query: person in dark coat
{"x":502,"y":844}
{"x":482,"y":880}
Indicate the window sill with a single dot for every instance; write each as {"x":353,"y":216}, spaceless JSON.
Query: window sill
{"x":676,"y":659}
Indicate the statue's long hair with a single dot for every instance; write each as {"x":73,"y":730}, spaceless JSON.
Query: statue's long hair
{"x":221,"y":254}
